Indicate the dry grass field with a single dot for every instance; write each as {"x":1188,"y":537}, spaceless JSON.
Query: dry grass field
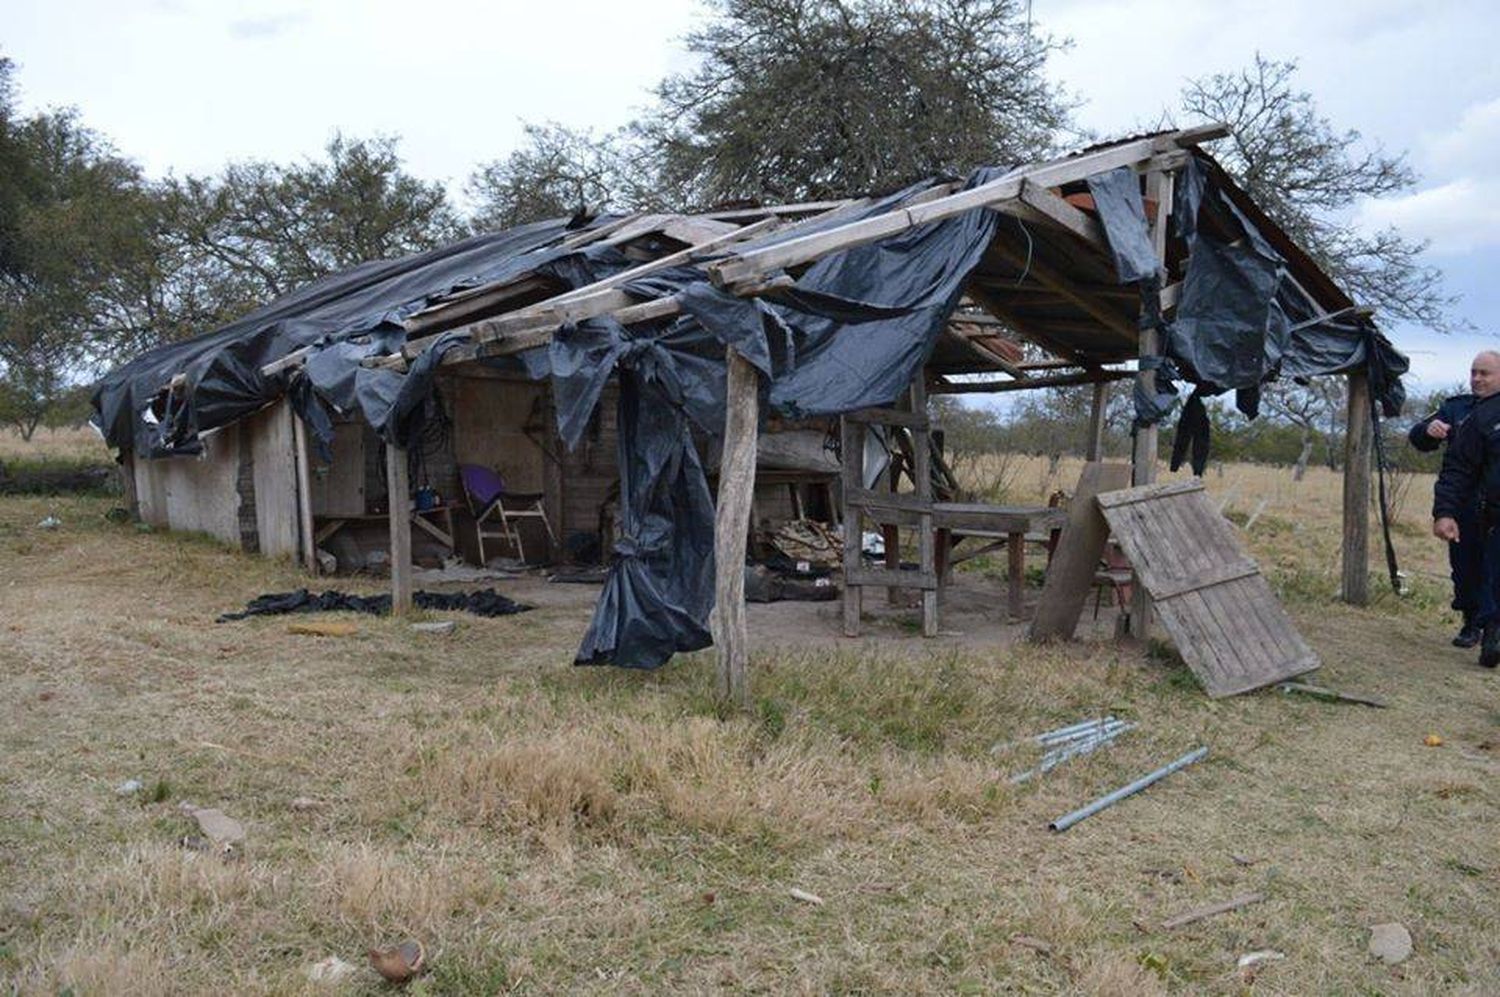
{"x":545,"y":828}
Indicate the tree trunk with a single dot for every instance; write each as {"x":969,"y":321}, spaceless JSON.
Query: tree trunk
{"x":1301,"y":467}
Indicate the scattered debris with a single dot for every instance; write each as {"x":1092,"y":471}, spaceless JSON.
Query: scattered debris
{"x":1035,"y":944}
{"x":805,"y":897}
{"x":130,"y":787}
{"x":323,"y":628}
{"x":438,"y":627}
{"x":1082,"y":813}
{"x":1433,"y":740}
{"x":1070,"y":742}
{"x":1332,"y":695}
{"x":330,"y":970}
{"x":327,"y":564}
{"x":1390,"y":942}
{"x":399,"y":963}
{"x":1251,"y":959}
{"x":224,"y":831}
{"x":50,"y":523}
{"x":195,"y":843}
{"x":1212,"y":910}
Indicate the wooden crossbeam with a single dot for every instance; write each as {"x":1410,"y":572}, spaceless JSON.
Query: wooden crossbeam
{"x":748,"y":266}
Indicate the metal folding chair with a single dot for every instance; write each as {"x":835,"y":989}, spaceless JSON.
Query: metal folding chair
{"x":493,"y":506}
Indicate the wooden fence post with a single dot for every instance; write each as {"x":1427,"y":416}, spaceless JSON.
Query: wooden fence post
{"x":398,"y":498}
{"x":731,"y":526}
{"x":1358,"y":441}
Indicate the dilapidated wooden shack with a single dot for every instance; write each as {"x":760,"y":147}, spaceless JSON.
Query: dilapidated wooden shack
{"x":356,"y":400}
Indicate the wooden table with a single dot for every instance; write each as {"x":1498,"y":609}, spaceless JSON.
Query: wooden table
{"x":437,"y":522}
{"x":1006,"y":525}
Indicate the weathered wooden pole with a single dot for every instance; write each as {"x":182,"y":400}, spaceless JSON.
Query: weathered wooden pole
{"x":1094,"y":450}
{"x":731,"y":527}
{"x":304,"y":495}
{"x":1144,"y":453}
{"x":852,"y":455}
{"x":921,"y":439}
{"x":1358,"y":442}
{"x":398,"y":498}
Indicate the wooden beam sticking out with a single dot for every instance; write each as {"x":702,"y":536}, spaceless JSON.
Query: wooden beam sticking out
{"x":748,"y":266}
{"x":731,"y":526}
{"x":1053,"y":381}
{"x":1358,"y":440}
{"x":398,"y":498}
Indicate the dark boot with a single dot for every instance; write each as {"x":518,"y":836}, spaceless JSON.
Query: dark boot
{"x":1469,"y":634}
{"x":1489,"y":648}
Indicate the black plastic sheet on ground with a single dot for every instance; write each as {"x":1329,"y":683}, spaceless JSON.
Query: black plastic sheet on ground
{"x":486,"y":602}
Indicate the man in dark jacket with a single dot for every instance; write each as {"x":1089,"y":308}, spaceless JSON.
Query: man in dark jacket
{"x":1466,"y":558}
{"x":1466,"y":499}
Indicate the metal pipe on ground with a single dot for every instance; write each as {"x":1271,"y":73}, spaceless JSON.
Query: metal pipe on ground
{"x":1083,"y":813}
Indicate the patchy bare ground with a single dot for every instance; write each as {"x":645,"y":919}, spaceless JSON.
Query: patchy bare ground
{"x":544,"y":828}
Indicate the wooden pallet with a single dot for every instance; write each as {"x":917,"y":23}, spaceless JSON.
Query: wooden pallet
{"x":1227,"y":624}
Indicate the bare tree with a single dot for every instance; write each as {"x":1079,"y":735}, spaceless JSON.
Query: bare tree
{"x":1307,"y":174}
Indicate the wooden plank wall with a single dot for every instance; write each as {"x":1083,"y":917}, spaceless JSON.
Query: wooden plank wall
{"x":197,"y":494}
{"x":338,"y":485}
{"x":273,"y":454}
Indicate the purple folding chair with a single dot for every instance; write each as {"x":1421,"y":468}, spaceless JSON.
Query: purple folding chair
{"x":493,"y":506}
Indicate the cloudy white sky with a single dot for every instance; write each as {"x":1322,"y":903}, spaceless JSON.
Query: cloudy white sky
{"x":186,"y":85}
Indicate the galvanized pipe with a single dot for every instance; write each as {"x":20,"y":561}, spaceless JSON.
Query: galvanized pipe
{"x":1071,"y":749}
{"x":1082,"y":813}
{"x":1094,"y":729}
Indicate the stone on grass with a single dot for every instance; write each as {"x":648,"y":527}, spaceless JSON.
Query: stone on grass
{"x":1390,"y":943}
{"x":439,"y":627}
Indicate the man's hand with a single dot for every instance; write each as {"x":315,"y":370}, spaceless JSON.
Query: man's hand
{"x":1438,"y":429}
{"x":1446,"y":528}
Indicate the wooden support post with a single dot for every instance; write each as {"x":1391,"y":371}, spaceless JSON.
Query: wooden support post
{"x":1358,"y":441}
{"x":127,"y":483}
{"x":731,"y":523}
{"x":1095,"y":447}
{"x":398,"y":498}
{"x":921,"y":467}
{"x":852,"y":452}
{"x":1144,"y":454}
{"x":304,"y":496}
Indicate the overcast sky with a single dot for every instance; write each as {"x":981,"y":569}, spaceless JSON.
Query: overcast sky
{"x":185,"y":86}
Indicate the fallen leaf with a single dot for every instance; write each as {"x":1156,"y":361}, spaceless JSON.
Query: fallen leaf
{"x":1433,"y":741}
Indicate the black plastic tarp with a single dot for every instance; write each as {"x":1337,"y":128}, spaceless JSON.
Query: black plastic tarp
{"x":348,"y":316}
{"x":1240,"y":321}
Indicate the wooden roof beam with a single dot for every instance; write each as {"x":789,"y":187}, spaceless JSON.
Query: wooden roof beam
{"x":755,"y":264}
